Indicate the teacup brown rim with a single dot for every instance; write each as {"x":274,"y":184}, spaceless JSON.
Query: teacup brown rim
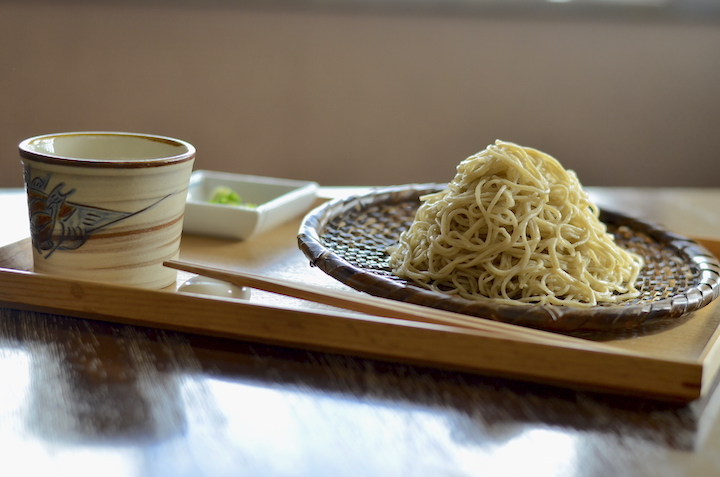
{"x":116,"y":164}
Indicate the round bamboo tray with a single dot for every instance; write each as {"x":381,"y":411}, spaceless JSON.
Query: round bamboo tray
{"x":348,"y":238}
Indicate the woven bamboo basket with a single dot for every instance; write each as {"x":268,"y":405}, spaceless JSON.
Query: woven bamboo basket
{"x":348,"y":238}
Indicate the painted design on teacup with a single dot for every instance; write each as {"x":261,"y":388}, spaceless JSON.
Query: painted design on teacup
{"x":58,"y":224}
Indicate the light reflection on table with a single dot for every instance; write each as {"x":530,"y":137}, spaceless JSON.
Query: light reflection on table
{"x":261,"y":421}
{"x":418,"y":437}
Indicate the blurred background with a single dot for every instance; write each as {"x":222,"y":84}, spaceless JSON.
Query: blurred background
{"x":352,"y":92}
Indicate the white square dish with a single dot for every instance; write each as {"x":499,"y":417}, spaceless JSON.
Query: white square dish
{"x":275,"y":202}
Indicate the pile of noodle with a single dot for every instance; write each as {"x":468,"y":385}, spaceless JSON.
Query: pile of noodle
{"x":516,"y":227}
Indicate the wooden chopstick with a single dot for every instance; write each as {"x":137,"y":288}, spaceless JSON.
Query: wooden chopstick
{"x":407,"y":311}
{"x":387,"y":308}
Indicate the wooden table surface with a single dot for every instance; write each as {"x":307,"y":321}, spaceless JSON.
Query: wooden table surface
{"x":87,"y":398}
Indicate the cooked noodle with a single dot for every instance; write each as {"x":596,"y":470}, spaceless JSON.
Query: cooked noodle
{"x":516,"y":227}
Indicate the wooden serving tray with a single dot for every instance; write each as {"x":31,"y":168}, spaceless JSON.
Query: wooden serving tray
{"x":676,"y":362}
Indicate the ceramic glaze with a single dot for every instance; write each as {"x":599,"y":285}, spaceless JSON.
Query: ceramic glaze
{"x":107,"y":207}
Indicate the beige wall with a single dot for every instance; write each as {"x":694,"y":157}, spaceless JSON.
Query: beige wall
{"x":362,"y":98}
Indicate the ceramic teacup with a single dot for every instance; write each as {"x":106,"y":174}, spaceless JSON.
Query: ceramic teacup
{"x":106,"y":206}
